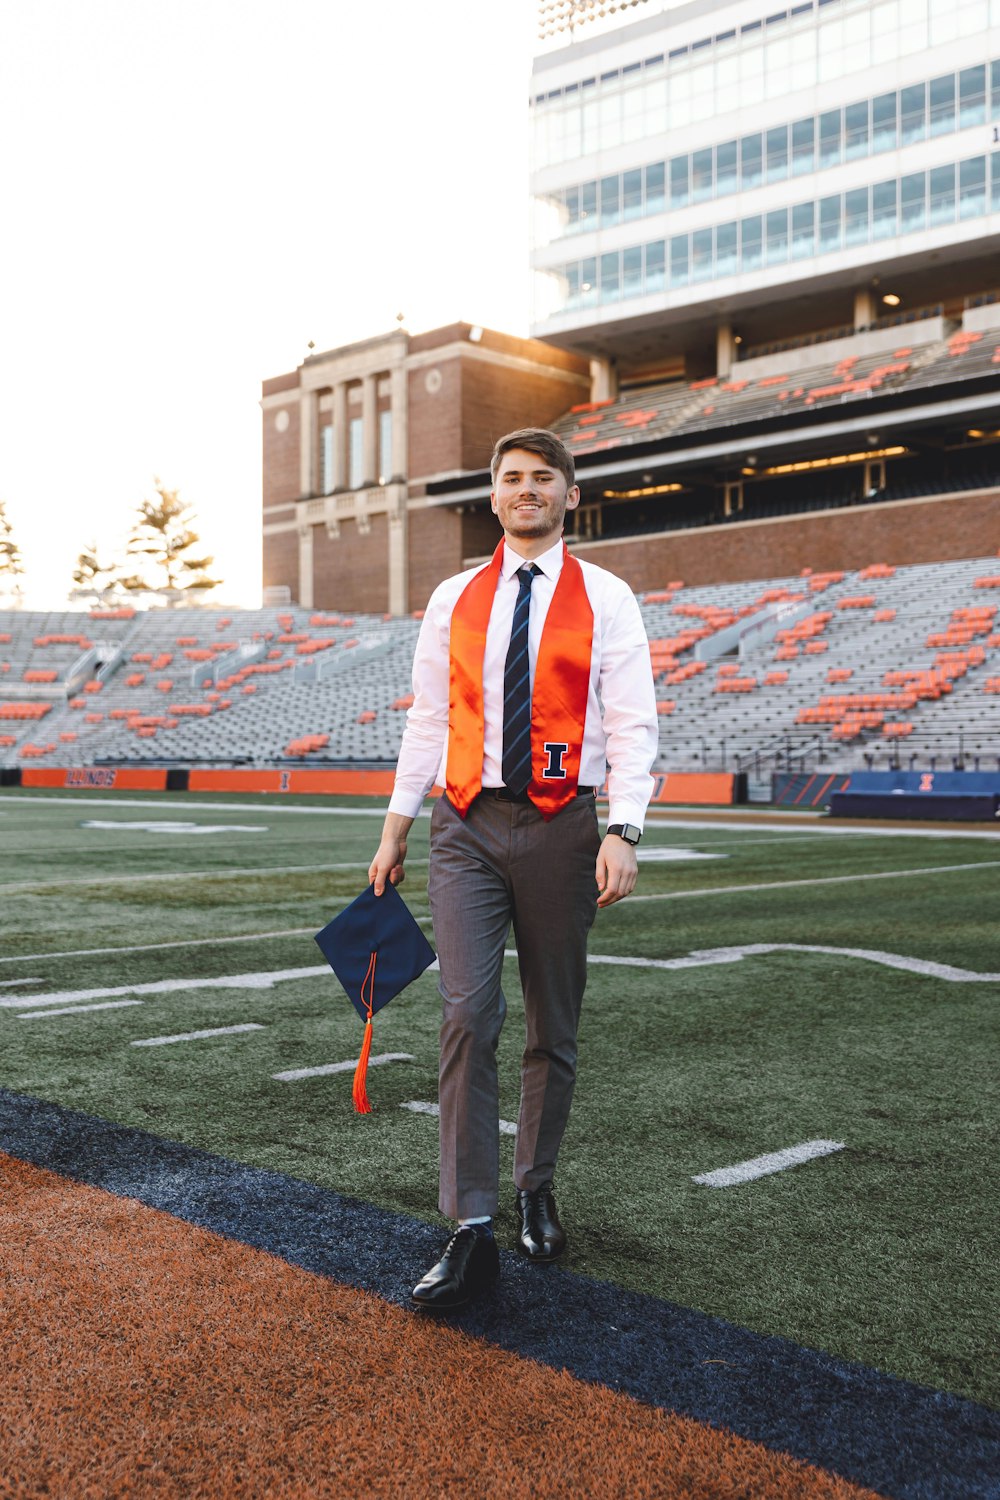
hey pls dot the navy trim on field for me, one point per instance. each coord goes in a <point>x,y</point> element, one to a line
<point>906,1440</point>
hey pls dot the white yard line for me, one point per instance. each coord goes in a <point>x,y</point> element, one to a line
<point>5,983</point>
<point>656,816</point>
<point>222,874</point>
<point>784,885</point>
<point>251,937</point>
<point>421,1107</point>
<point>700,958</point>
<point>244,937</point>
<point>256,981</point>
<point>74,1010</point>
<point>167,802</point>
<point>294,1074</point>
<point>763,1166</point>
<point>198,1036</point>
<point>706,957</point>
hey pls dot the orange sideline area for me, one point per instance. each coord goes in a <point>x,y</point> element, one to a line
<point>674,787</point>
<point>148,1356</point>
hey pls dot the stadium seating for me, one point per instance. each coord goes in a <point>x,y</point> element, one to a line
<point>859,669</point>
<point>679,407</point>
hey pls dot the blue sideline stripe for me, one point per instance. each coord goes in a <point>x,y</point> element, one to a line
<point>906,1440</point>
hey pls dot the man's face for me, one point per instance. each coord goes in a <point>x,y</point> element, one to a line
<point>530,497</point>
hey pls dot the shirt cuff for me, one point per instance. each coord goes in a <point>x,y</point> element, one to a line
<point>405,802</point>
<point>626,812</point>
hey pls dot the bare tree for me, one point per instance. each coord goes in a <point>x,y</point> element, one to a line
<point>99,580</point>
<point>11,563</point>
<point>163,537</point>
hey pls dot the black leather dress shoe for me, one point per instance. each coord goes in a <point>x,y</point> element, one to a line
<point>540,1235</point>
<point>470,1263</point>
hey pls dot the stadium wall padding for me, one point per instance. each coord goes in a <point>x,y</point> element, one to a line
<point>803,789</point>
<point>674,787</point>
<point>941,807</point>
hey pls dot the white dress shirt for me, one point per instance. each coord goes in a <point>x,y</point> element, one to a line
<point>619,743</point>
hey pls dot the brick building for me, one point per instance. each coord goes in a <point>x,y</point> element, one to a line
<point>357,439</point>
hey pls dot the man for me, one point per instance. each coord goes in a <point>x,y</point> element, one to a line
<point>532,681</point>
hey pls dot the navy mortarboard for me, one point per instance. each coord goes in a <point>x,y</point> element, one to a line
<point>376,949</point>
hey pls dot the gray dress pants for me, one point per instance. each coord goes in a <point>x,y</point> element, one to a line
<point>501,865</point>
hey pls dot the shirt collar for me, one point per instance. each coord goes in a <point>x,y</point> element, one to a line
<point>550,562</point>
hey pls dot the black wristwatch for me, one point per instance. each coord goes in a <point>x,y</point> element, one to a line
<point>626,831</point>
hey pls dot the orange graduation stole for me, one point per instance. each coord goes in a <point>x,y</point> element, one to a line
<point>559,699</point>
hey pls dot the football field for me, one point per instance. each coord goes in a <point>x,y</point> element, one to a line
<point>778,1179</point>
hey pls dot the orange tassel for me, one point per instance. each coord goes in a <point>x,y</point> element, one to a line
<point>360,1092</point>
<point>361,1103</point>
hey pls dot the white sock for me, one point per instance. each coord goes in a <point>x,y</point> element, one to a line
<point>467,1223</point>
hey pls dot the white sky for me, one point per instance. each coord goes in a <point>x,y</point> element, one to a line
<point>191,190</point>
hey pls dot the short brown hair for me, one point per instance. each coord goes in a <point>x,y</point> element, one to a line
<point>536,440</point>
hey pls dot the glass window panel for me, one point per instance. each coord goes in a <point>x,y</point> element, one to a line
<point>856,130</point>
<point>632,193</point>
<point>751,149</point>
<point>995,175</point>
<point>701,255</point>
<point>632,271</point>
<point>654,188</point>
<point>884,123</point>
<point>856,216</point>
<point>972,97</point>
<point>356,454</point>
<point>942,187</point>
<point>679,260</point>
<point>972,187</point>
<point>942,111</point>
<point>610,200</point>
<point>726,168</point>
<point>913,113</point>
<point>588,205</point>
<point>829,138</point>
<point>701,175</point>
<point>803,145</point>
<point>777,154</point>
<point>572,274</point>
<point>750,243</point>
<point>995,90</point>
<point>611,276</point>
<point>384,446</point>
<point>655,254</point>
<point>726,263</point>
<point>913,202</point>
<point>803,229</point>
<point>777,236</point>
<point>883,210</point>
<point>680,186</point>
<point>830,229</point>
<point>588,281</point>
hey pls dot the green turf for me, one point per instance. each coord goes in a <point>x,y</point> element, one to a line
<point>880,1253</point>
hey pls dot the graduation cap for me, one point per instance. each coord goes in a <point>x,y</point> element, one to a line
<point>376,949</point>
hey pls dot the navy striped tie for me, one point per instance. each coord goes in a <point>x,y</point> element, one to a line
<point>516,763</point>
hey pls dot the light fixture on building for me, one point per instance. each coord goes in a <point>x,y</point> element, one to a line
<point>872,440</point>
<point>475,334</point>
<point>891,299</point>
<point>830,463</point>
<point>737,338</point>
<point>653,489</point>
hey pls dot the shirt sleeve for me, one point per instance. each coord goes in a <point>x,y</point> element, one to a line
<point>628,698</point>
<point>426,734</point>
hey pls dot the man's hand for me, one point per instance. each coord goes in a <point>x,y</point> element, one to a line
<point>617,870</point>
<point>388,861</point>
